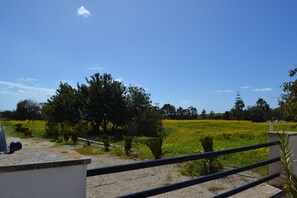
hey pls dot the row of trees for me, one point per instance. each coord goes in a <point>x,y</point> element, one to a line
<point>31,110</point>
<point>170,112</point>
<point>104,101</point>
<point>260,112</point>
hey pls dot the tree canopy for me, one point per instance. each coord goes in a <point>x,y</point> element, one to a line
<point>28,110</point>
<point>289,98</point>
<point>237,110</point>
<point>104,102</point>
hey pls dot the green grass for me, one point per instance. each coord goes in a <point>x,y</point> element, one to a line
<point>90,150</point>
<point>182,138</point>
<point>37,127</point>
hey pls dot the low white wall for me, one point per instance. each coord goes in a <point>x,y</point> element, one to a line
<point>60,182</point>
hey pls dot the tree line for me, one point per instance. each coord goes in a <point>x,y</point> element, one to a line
<point>103,101</point>
<point>260,112</point>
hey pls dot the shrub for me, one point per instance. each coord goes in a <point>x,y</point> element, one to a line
<point>90,150</point>
<point>128,144</point>
<point>204,166</point>
<point>106,142</point>
<point>51,131</point>
<point>28,133</point>
<point>66,136</point>
<point>155,145</point>
<point>18,127</point>
<point>74,138</point>
<point>286,156</point>
<point>211,165</point>
<point>207,143</point>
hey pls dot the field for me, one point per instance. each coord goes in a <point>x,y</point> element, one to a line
<point>37,127</point>
<point>182,138</point>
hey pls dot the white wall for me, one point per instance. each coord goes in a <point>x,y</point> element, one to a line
<point>64,182</point>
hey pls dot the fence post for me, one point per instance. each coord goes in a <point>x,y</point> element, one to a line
<point>274,152</point>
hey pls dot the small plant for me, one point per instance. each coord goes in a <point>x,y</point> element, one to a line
<point>204,166</point>
<point>117,152</point>
<point>215,188</point>
<point>128,144</point>
<point>207,143</point>
<point>286,156</point>
<point>74,138</point>
<point>155,145</point>
<point>28,133</point>
<point>211,165</point>
<point>66,136</point>
<point>60,140</point>
<point>18,127</point>
<point>194,168</point>
<point>90,150</point>
<point>106,142</point>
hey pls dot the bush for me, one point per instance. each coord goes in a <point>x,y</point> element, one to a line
<point>204,166</point>
<point>51,131</point>
<point>90,150</point>
<point>106,142</point>
<point>155,145</point>
<point>128,144</point>
<point>18,127</point>
<point>66,136</point>
<point>194,168</point>
<point>207,143</point>
<point>28,133</point>
<point>74,138</point>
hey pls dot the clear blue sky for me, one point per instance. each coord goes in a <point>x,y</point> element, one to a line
<point>190,52</point>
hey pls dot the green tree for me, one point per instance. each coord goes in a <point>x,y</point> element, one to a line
<point>62,112</point>
<point>192,113</point>
<point>181,113</point>
<point>289,98</point>
<point>143,118</point>
<point>169,111</point>
<point>261,112</point>
<point>64,106</point>
<point>211,115</point>
<point>237,110</point>
<point>28,110</point>
<point>103,102</point>
<point>203,114</point>
<point>226,115</point>
<point>7,114</point>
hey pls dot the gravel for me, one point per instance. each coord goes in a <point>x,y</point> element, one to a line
<point>112,185</point>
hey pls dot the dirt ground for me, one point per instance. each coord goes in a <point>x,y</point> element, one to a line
<point>117,184</point>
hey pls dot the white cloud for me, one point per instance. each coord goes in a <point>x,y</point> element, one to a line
<point>23,79</point>
<point>22,87</point>
<point>95,68</point>
<point>224,91</point>
<point>263,89</point>
<point>245,87</point>
<point>82,11</point>
<point>21,91</point>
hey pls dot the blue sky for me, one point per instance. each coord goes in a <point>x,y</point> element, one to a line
<point>186,53</point>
